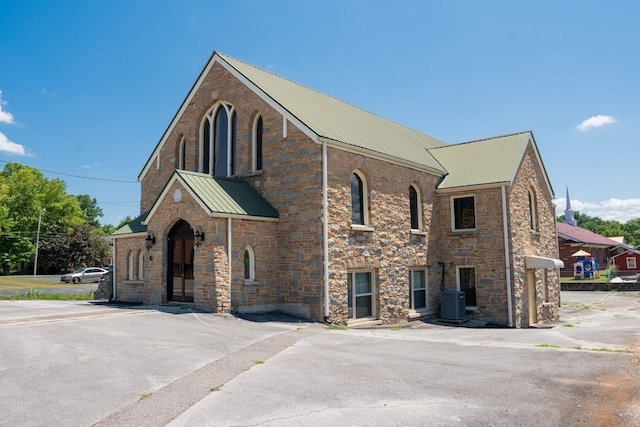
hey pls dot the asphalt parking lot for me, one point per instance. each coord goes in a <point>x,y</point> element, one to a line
<point>78,364</point>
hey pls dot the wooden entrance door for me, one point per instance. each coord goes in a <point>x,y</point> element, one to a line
<point>180,272</point>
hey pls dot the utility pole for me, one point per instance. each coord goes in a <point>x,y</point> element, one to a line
<point>35,264</point>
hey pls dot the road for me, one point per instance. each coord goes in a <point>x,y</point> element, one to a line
<point>76,364</point>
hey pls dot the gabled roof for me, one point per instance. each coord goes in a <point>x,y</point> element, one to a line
<point>635,251</point>
<point>581,235</point>
<point>321,117</point>
<point>135,226</point>
<point>222,197</point>
<point>487,161</point>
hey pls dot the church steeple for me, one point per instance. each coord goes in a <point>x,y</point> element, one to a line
<point>568,212</point>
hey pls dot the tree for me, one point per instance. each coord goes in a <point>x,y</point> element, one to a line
<point>91,209</point>
<point>609,228</point>
<point>27,197</point>
<point>78,248</point>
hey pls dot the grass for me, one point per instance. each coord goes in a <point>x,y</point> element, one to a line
<point>144,396</point>
<point>29,288</point>
<point>602,279</point>
<point>337,328</point>
<point>569,325</point>
<point>216,388</point>
<point>37,294</point>
<point>259,362</point>
<point>545,345</point>
<point>577,347</point>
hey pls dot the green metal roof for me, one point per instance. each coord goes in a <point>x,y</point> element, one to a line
<point>486,161</point>
<point>134,226</point>
<point>226,196</point>
<point>331,118</point>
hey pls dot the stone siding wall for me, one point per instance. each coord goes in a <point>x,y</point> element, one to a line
<point>389,250</point>
<point>524,241</point>
<point>127,289</point>
<point>291,181</point>
<point>482,248</point>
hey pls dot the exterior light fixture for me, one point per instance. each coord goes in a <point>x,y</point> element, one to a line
<point>198,236</point>
<point>150,240</point>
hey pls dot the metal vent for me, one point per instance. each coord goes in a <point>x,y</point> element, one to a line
<point>453,306</point>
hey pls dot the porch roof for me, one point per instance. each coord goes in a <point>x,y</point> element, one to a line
<point>533,261</point>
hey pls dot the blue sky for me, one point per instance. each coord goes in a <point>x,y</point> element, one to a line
<point>89,87</point>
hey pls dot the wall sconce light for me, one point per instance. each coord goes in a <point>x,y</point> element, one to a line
<point>150,240</point>
<point>198,236</point>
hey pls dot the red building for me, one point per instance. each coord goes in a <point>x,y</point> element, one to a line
<point>628,262</point>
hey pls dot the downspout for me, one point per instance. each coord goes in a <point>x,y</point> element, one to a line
<point>113,272</point>
<point>507,255</point>
<point>229,252</point>
<point>325,231</point>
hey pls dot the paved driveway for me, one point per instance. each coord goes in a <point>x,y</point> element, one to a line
<point>74,364</point>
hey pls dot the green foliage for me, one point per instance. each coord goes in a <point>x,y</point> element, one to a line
<point>76,249</point>
<point>91,209</point>
<point>27,200</point>
<point>609,228</point>
<point>35,294</point>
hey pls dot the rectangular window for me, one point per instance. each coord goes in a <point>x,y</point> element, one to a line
<point>466,281</point>
<point>418,293</point>
<point>464,213</point>
<point>631,262</point>
<point>360,294</point>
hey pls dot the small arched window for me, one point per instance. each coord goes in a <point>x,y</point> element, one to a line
<point>533,208</point>
<point>131,270</point>
<point>257,145</point>
<point>218,141</point>
<point>358,199</point>
<point>140,265</point>
<point>249,264</point>
<point>415,208</point>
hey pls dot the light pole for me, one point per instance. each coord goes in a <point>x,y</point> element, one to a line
<point>35,264</point>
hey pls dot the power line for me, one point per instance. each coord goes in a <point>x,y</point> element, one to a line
<point>80,176</point>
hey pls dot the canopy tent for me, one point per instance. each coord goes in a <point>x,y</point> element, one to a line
<point>581,253</point>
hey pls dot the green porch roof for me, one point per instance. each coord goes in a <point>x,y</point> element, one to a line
<point>226,196</point>
<point>135,226</point>
<point>486,161</point>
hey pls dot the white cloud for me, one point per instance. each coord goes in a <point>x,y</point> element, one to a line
<point>612,209</point>
<point>595,122</point>
<point>10,147</point>
<point>47,93</point>
<point>5,116</point>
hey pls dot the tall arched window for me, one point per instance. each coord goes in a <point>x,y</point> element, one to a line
<point>140,265</point>
<point>415,208</point>
<point>218,141</point>
<point>533,217</point>
<point>249,264</point>
<point>358,199</point>
<point>131,273</point>
<point>256,161</point>
<point>181,161</point>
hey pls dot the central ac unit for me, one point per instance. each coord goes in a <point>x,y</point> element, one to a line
<point>453,306</point>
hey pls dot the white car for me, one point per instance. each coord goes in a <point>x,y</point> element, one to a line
<point>85,275</point>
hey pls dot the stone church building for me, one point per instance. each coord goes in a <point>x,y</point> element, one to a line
<point>264,194</point>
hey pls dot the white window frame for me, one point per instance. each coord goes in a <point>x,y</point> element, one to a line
<point>412,289</point>
<point>631,262</point>
<point>211,115</point>
<point>372,282</point>
<point>364,201</point>
<point>252,267</point>
<point>254,144</point>
<point>453,213</point>
<point>140,265</point>
<point>131,267</point>
<point>458,288</point>
<point>418,207</point>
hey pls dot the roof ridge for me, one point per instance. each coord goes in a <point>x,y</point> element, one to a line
<point>225,57</point>
<point>457,144</point>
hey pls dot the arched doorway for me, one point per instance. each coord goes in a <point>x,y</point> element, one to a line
<point>180,271</point>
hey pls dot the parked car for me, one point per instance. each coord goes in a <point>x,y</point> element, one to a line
<point>85,275</point>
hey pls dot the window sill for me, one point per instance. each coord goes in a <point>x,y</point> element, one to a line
<point>536,232</point>
<point>415,314</point>
<point>418,232</point>
<point>134,282</point>
<point>464,230</point>
<point>252,283</point>
<point>471,309</point>
<point>357,227</point>
<point>254,173</point>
